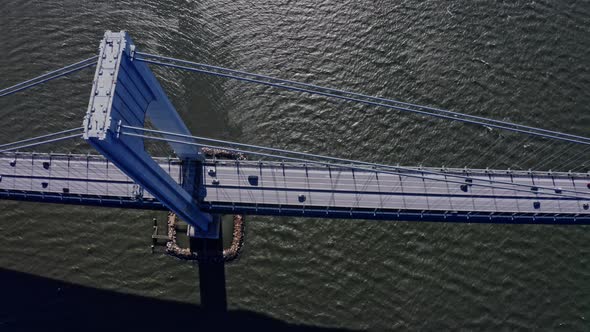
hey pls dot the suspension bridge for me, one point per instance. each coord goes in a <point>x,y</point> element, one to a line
<point>125,95</point>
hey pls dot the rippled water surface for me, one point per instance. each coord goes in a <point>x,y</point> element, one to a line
<point>523,61</point>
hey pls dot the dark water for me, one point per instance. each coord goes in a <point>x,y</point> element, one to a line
<point>523,61</point>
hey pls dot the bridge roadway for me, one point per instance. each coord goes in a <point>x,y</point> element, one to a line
<point>273,188</point>
<point>75,179</point>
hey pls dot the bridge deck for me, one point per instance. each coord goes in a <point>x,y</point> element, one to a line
<point>305,190</point>
<point>77,179</point>
<point>298,189</point>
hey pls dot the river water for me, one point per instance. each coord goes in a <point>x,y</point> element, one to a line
<point>523,61</point>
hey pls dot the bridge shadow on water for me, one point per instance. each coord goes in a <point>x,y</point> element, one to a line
<point>211,275</point>
<point>33,303</point>
<point>29,302</point>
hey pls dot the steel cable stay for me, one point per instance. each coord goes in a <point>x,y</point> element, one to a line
<point>357,97</point>
<point>371,167</point>
<point>49,76</point>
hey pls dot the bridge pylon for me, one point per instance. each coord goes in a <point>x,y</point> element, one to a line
<point>126,92</point>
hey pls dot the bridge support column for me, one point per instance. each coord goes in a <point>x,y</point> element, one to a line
<point>124,92</point>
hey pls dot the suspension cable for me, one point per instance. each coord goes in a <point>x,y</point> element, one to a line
<point>40,137</point>
<point>375,101</point>
<point>49,76</point>
<point>41,143</point>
